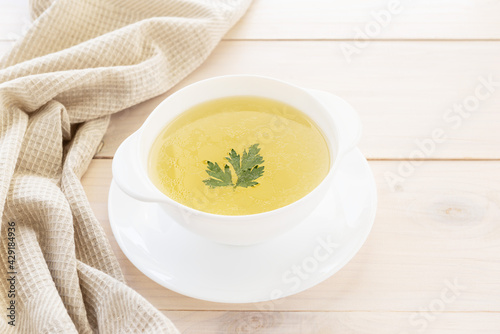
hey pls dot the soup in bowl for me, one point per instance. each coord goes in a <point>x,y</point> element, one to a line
<point>239,155</point>
<point>238,159</point>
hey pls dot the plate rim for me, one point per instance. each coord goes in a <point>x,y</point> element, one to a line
<point>173,287</point>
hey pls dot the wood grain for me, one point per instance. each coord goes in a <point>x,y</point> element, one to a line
<point>190,322</point>
<point>338,19</point>
<point>334,19</point>
<point>439,228</point>
<point>402,91</point>
<point>436,228</point>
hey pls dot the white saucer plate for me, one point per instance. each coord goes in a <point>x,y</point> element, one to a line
<point>293,262</point>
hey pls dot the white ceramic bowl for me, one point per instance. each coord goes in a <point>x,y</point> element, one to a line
<point>338,121</point>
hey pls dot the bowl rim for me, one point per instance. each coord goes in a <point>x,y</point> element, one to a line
<point>261,215</point>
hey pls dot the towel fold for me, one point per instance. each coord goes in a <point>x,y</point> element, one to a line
<point>81,61</point>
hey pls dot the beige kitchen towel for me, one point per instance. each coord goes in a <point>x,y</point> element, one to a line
<point>81,61</point>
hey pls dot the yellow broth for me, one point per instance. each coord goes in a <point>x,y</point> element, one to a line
<point>296,155</point>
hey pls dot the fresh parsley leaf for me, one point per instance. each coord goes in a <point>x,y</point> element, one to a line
<point>234,160</point>
<point>246,167</point>
<point>218,178</point>
<point>252,158</point>
<point>249,169</point>
<point>247,177</point>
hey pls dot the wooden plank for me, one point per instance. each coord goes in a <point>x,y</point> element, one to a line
<point>439,229</point>
<point>333,322</point>
<point>402,91</point>
<point>338,19</point>
<point>335,19</point>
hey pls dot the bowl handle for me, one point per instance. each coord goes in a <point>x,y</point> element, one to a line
<point>128,174</point>
<point>346,118</point>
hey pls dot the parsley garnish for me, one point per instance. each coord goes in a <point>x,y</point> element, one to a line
<point>246,167</point>
<point>218,178</point>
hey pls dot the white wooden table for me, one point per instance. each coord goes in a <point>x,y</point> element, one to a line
<point>432,261</point>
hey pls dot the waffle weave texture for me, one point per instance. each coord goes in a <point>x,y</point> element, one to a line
<point>80,62</point>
